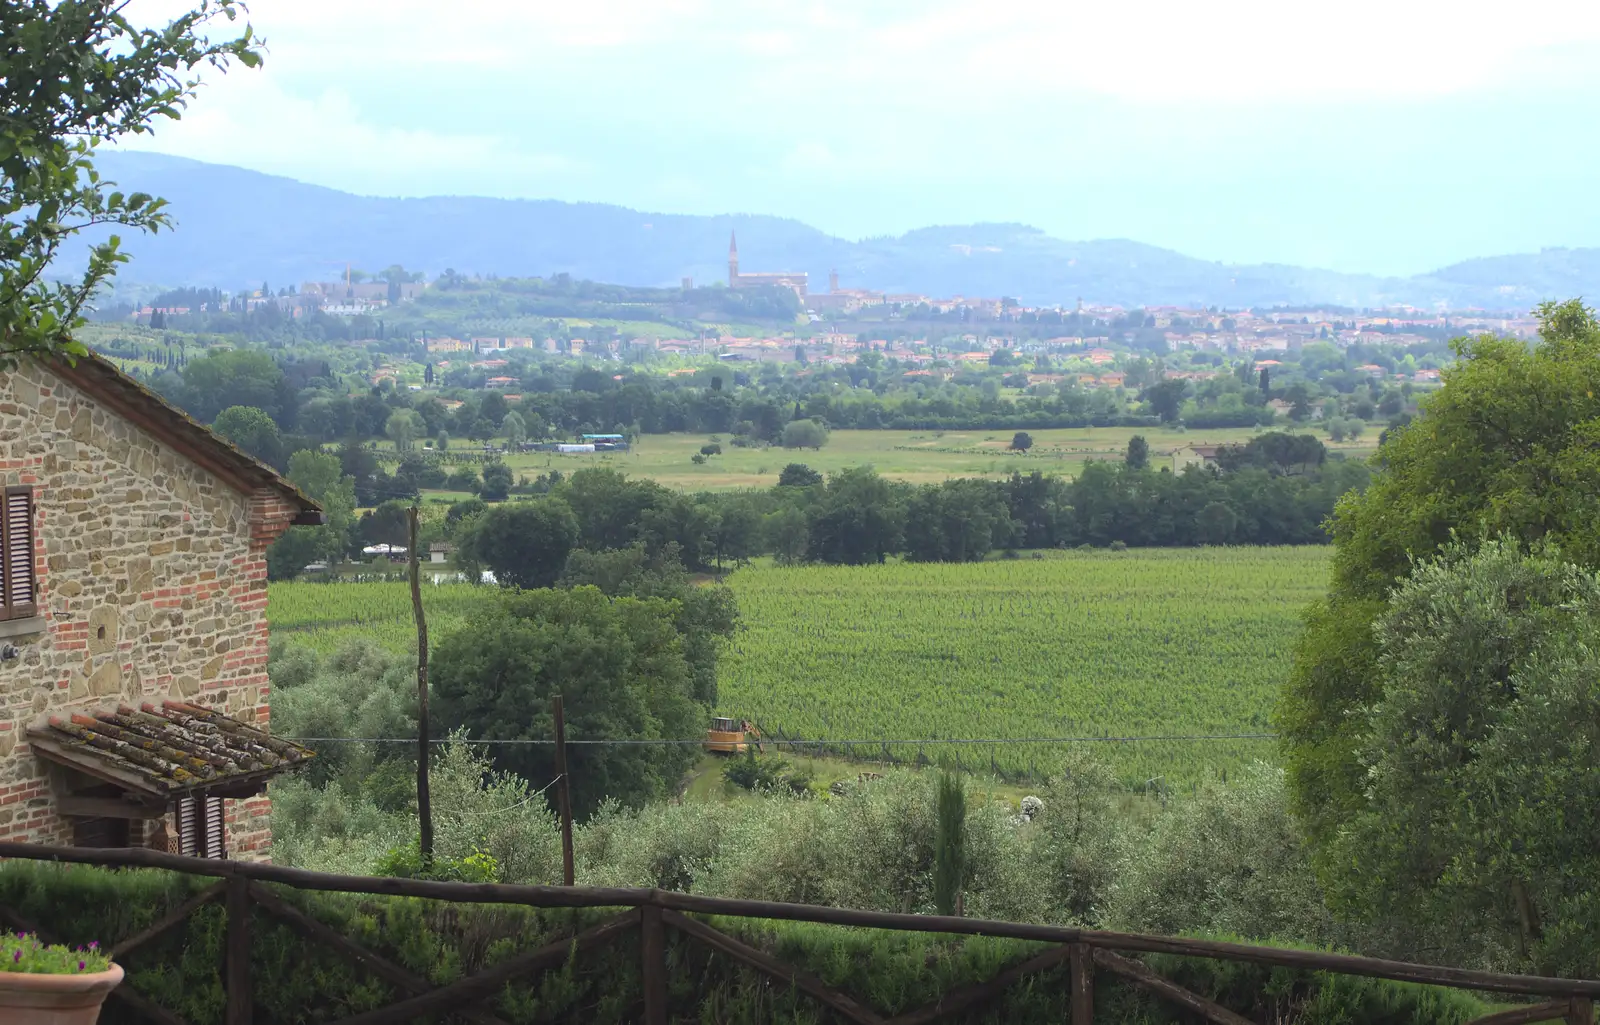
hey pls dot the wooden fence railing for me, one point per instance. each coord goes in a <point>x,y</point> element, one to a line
<point>1087,952</point>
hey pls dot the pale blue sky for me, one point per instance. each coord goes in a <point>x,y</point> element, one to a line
<point>1389,136</point>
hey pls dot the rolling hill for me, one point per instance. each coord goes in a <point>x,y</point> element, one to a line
<point>237,227</point>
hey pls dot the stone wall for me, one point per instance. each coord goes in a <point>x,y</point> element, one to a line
<point>152,576</point>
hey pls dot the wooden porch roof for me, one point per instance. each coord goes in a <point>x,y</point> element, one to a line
<point>172,750</point>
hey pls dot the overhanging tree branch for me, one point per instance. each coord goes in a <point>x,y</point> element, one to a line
<point>74,74</point>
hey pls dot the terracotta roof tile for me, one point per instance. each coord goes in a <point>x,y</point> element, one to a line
<point>169,749</point>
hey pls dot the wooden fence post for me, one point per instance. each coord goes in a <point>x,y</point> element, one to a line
<point>237,979</point>
<point>563,791</point>
<point>1580,1011</point>
<point>653,949</point>
<point>1082,984</point>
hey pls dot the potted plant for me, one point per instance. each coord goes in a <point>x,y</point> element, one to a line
<point>50,984</point>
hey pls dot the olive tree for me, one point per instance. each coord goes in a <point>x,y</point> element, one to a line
<point>1479,812</point>
<point>1509,446</point>
<point>620,665</point>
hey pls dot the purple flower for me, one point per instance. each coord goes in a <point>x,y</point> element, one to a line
<point>16,955</point>
<point>94,944</point>
<point>80,966</point>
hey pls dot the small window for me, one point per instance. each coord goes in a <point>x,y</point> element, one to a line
<point>17,599</point>
<point>201,828</point>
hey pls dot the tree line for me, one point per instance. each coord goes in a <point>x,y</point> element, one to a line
<point>553,398</point>
<point>1275,490</point>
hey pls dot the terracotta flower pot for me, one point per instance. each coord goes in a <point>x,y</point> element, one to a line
<point>29,999</point>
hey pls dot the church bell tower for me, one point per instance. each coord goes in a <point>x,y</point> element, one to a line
<point>733,260</point>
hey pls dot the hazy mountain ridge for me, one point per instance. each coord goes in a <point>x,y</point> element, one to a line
<point>237,227</point>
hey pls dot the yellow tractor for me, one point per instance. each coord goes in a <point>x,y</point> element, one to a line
<point>732,736</point>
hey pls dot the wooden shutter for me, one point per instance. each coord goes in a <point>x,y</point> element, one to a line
<point>216,845</point>
<point>202,828</point>
<point>16,554</point>
<point>188,827</point>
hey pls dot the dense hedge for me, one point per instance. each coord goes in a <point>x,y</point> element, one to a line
<point>298,981</point>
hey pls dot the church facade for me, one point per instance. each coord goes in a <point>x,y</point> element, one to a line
<point>795,280</point>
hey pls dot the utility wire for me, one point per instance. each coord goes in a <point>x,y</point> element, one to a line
<point>530,798</point>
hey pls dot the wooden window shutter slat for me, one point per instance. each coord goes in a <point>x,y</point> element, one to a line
<point>16,555</point>
<point>188,827</point>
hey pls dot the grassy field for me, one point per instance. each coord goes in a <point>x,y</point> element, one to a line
<point>1142,643</point>
<point>918,456</point>
<point>1147,643</point>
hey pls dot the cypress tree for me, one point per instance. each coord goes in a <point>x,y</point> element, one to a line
<point>949,845</point>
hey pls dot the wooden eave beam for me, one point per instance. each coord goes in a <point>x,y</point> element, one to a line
<point>99,768</point>
<point>74,806</point>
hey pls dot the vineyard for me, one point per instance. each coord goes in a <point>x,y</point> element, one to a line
<point>325,616</point>
<point>1149,643</point>
<point>1143,643</point>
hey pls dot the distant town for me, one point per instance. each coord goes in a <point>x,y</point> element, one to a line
<point>839,323</point>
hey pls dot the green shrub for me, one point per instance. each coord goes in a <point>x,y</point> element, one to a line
<point>405,862</point>
<point>774,774</point>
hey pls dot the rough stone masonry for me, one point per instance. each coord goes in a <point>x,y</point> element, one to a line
<point>150,570</point>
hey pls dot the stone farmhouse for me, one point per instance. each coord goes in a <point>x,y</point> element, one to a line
<point>133,633</point>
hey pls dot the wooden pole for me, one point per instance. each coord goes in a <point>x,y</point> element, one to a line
<point>789,977</point>
<point>174,918</point>
<point>952,1002</point>
<point>237,965</point>
<point>1580,1011</point>
<point>353,952</point>
<point>1082,984</point>
<point>1136,971</point>
<point>424,798</point>
<point>563,793</point>
<point>473,988</point>
<point>653,950</point>
<point>1554,1011</point>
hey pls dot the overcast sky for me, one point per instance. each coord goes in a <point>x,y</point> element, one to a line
<point>1391,136</point>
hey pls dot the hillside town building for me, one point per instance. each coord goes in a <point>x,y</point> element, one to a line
<point>796,280</point>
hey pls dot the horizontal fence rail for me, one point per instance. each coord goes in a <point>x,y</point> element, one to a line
<point>648,911</point>
<point>794,742</point>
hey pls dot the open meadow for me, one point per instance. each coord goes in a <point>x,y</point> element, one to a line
<point>917,456</point>
<point>1159,643</point>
